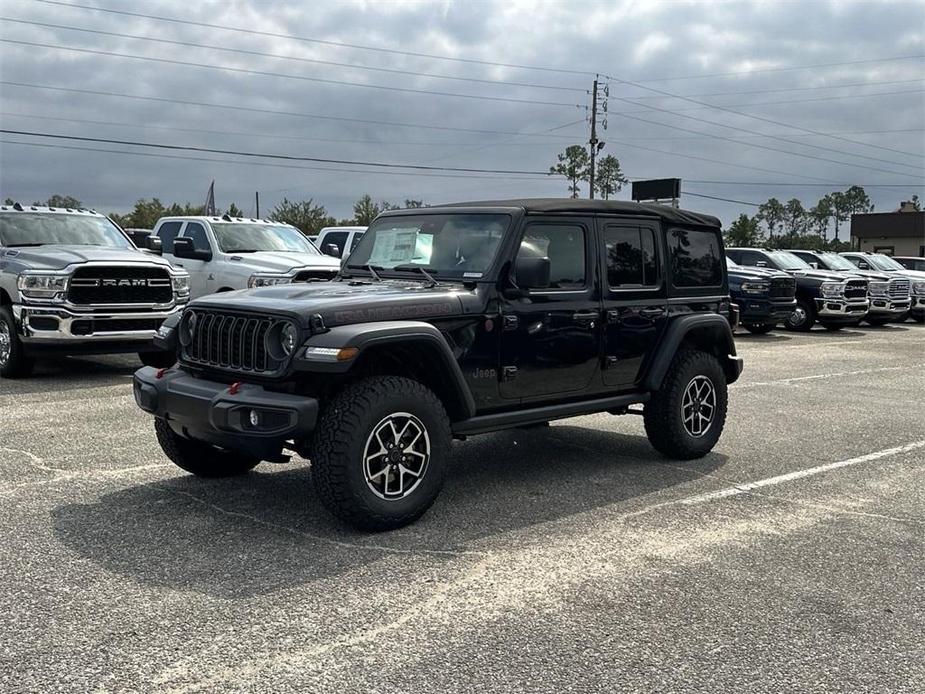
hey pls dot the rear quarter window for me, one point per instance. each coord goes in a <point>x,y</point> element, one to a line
<point>696,257</point>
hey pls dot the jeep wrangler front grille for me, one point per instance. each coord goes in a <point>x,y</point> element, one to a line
<point>114,284</point>
<point>856,289</point>
<point>228,341</point>
<point>783,287</point>
<point>900,288</point>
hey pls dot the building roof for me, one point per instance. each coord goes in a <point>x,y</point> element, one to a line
<point>878,225</point>
<point>663,212</point>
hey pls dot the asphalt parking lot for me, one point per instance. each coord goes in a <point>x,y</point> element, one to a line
<point>571,558</point>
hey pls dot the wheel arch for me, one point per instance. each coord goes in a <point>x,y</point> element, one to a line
<point>708,333</point>
<point>5,299</point>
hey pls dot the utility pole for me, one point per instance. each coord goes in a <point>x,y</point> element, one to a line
<point>257,202</point>
<point>593,140</point>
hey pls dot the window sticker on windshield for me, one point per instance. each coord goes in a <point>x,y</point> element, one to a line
<point>472,275</point>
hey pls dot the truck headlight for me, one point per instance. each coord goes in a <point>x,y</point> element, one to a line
<point>42,285</point>
<point>832,289</point>
<point>267,279</point>
<point>756,287</point>
<point>878,288</point>
<point>181,285</point>
<point>919,288</point>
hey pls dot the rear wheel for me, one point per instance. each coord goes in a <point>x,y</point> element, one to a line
<point>198,457</point>
<point>380,452</point>
<point>761,328</point>
<point>13,361</point>
<point>802,317</point>
<point>685,417</point>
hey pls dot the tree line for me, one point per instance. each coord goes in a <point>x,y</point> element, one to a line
<point>305,215</point>
<point>575,165</point>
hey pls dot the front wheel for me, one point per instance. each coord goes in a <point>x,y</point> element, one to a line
<point>877,321</point>
<point>918,317</point>
<point>198,457</point>
<point>685,417</point>
<point>802,317</point>
<point>380,452</point>
<point>761,328</point>
<point>13,361</point>
<point>159,360</point>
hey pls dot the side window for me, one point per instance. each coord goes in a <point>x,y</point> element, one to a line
<point>696,258</point>
<point>167,233</point>
<point>197,232</point>
<point>752,258</point>
<point>564,245</point>
<point>338,238</point>
<point>630,257</point>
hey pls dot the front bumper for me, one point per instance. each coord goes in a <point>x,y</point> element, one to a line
<point>211,412</point>
<point>841,310</point>
<point>762,311</point>
<point>53,326</point>
<point>884,306</point>
<point>918,305</point>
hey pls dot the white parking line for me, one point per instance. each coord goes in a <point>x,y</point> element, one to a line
<point>799,474</point>
<point>798,379</point>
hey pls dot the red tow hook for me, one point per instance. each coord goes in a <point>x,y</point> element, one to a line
<point>160,373</point>
<point>234,388</point>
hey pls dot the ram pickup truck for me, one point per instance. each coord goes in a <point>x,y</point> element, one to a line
<point>889,296</point>
<point>448,322</point>
<point>832,299</point>
<point>764,297</point>
<point>71,282</point>
<point>226,253</point>
<point>338,241</point>
<point>885,264</point>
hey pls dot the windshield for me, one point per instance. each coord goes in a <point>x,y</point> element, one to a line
<point>250,238</point>
<point>452,246</point>
<point>884,262</point>
<point>836,262</point>
<point>788,261</point>
<point>24,229</point>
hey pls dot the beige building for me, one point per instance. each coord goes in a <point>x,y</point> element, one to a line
<point>893,233</point>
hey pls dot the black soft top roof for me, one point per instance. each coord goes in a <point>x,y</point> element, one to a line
<point>663,212</point>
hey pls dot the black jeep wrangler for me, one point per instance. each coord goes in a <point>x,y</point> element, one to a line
<point>447,322</point>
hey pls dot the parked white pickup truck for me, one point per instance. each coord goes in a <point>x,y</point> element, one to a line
<point>338,241</point>
<point>225,253</point>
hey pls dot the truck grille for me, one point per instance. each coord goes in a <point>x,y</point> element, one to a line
<point>900,288</point>
<point>856,289</point>
<point>106,285</point>
<point>323,275</point>
<point>783,287</point>
<point>228,341</point>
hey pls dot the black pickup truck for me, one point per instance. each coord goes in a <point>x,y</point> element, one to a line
<point>764,297</point>
<point>447,322</point>
<point>832,299</point>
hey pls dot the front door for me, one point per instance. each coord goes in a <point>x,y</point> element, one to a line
<point>551,337</point>
<point>202,281</point>
<point>635,297</point>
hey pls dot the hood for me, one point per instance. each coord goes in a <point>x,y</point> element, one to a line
<point>755,272</point>
<point>875,275</point>
<point>344,302</point>
<point>59,257</point>
<point>914,275</point>
<point>269,261</point>
<point>821,275</point>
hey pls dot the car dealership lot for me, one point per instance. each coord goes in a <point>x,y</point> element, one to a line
<point>565,558</point>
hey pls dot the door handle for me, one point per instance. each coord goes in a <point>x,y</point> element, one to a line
<point>652,312</point>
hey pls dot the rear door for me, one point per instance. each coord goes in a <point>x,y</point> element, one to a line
<point>635,296</point>
<point>551,337</point>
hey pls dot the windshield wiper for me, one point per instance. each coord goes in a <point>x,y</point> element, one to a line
<point>418,268</point>
<point>373,270</point>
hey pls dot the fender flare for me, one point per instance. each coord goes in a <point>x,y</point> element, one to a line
<point>365,336</point>
<point>678,329</point>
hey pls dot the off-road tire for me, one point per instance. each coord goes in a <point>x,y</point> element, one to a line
<point>662,415</point>
<point>918,317</point>
<point>198,457</point>
<point>16,364</point>
<point>340,444</point>
<point>877,321</point>
<point>807,323</point>
<point>158,360</point>
<point>761,328</point>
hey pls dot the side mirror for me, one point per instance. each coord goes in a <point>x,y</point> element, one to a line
<point>154,245</point>
<point>814,265</point>
<point>332,249</point>
<point>531,272</point>
<point>184,247</point>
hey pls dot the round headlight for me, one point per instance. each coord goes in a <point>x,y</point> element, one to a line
<point>188,328</point>
<point>289,338</point>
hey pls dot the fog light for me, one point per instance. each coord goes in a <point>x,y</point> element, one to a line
<point>255,419</point>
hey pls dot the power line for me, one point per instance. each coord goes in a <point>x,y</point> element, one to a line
<point>790,89</point>
<point>284,157</point>
<point>252,109</point>
<point>799,185</point>
<point>314,61</point>
<point>304,78</point>
<point>306,39</point>
<point>713,197</point>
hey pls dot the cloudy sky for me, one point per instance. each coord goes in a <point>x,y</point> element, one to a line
<point>785,99</point>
